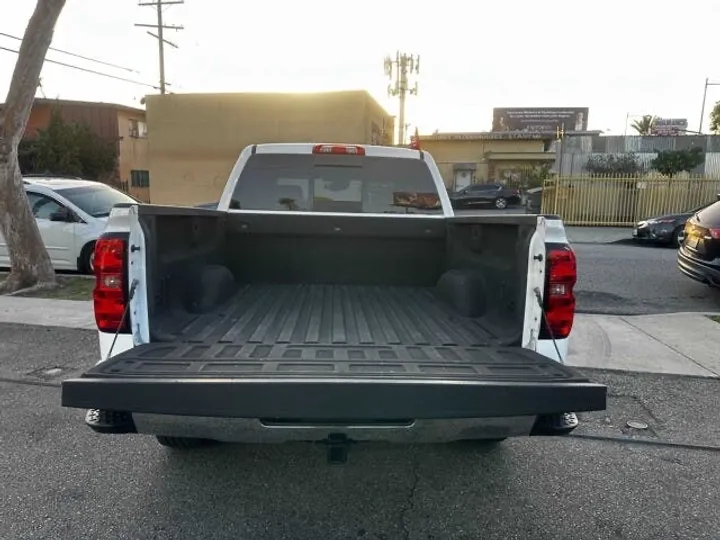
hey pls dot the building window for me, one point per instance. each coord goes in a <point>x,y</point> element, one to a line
<point>138,129</point>
<point>140,179</point>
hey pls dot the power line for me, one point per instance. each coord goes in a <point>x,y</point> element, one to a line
<point>159,28</point>
<point>400,69</point>
<point>89,59</point>
<point>86,70</point>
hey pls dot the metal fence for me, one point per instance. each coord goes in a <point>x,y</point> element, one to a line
<point>621,202</point>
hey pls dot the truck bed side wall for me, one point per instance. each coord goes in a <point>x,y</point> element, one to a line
<point>180,242</point>
<point>490,260</point>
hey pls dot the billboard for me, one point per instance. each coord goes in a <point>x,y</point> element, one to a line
<point>546,119</point>
<point>669,127</point>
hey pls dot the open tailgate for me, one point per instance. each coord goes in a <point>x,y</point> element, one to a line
<point>332,382</point>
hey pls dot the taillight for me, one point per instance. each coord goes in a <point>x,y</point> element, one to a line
<point>110,295</point>
<point>559,302</point>
<point>342,149</point>
<point>715,234</point>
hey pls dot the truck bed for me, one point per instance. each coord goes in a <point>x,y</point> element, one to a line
<point>334,315</point>
<point>329,352</point>
<point>325,318</point>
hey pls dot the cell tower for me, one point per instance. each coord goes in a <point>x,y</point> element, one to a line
<point>399,72</point>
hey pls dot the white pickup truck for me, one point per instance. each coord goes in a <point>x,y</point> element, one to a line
<point>332,296</point>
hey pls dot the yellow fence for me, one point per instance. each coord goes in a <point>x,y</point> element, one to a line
<point>621,202</point>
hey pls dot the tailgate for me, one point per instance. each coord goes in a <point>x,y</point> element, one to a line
<point>332,383</point>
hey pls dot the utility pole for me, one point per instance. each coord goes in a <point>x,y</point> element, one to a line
<point>398,71</point>
<point>160,28</point>
<point>702,110</point>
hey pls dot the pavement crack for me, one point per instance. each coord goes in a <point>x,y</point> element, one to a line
<point>647,442</point>
<point>410,502</point>
<point>671,348</point>
<point>26,382</point>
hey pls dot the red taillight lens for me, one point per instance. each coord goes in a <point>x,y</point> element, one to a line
<point>341,149</point>
<point>715,233</point>
<point>109,295</point>
<point>559,297</point>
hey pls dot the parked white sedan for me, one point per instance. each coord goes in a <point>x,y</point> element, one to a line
<point>71,214</point>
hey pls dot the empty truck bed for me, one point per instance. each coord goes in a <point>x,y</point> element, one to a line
<point>333,330</point>
<point>335,315</point>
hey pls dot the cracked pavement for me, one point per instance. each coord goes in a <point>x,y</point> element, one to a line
<point>60,480</point>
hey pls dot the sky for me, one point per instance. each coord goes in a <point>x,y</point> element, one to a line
<point>617,57</point>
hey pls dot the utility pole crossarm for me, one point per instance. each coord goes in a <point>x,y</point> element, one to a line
<point>159,29</point>
<point>165,26</point>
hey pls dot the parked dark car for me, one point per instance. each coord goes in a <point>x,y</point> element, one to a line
<point>473,195</point>
<point>665,230</point>
<point>699,255</point>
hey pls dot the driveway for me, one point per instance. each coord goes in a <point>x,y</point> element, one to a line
<point>60,480</point>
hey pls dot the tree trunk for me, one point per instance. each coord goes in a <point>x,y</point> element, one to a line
<point>29,260</point>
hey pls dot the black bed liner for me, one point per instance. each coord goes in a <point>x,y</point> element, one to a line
<point>334,315</point>
<point>319,352</point>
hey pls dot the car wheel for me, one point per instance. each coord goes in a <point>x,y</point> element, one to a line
<point>183,443</point>
<point>86,261</point>
<point>501,203</point>
<point>678,237</point>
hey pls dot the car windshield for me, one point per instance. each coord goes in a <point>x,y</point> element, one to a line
<point>336,183</point>
<point>96,200</point>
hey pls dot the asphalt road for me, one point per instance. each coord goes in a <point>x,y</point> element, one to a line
<point>635,279</point>
<point>59,480</point>
<point>627,279</point>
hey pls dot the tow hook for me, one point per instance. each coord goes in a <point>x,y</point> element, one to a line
<point>337,448</point>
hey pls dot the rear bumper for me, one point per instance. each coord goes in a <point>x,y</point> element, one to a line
<point>698,270</point>
<point>327,400</point>
<point>252,431</point>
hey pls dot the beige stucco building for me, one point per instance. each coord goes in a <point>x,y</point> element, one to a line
<point>194,139</point>
<point>465,158</point>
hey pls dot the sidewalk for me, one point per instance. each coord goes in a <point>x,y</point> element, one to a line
<point>43,312</point>
<point>677,343</point>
